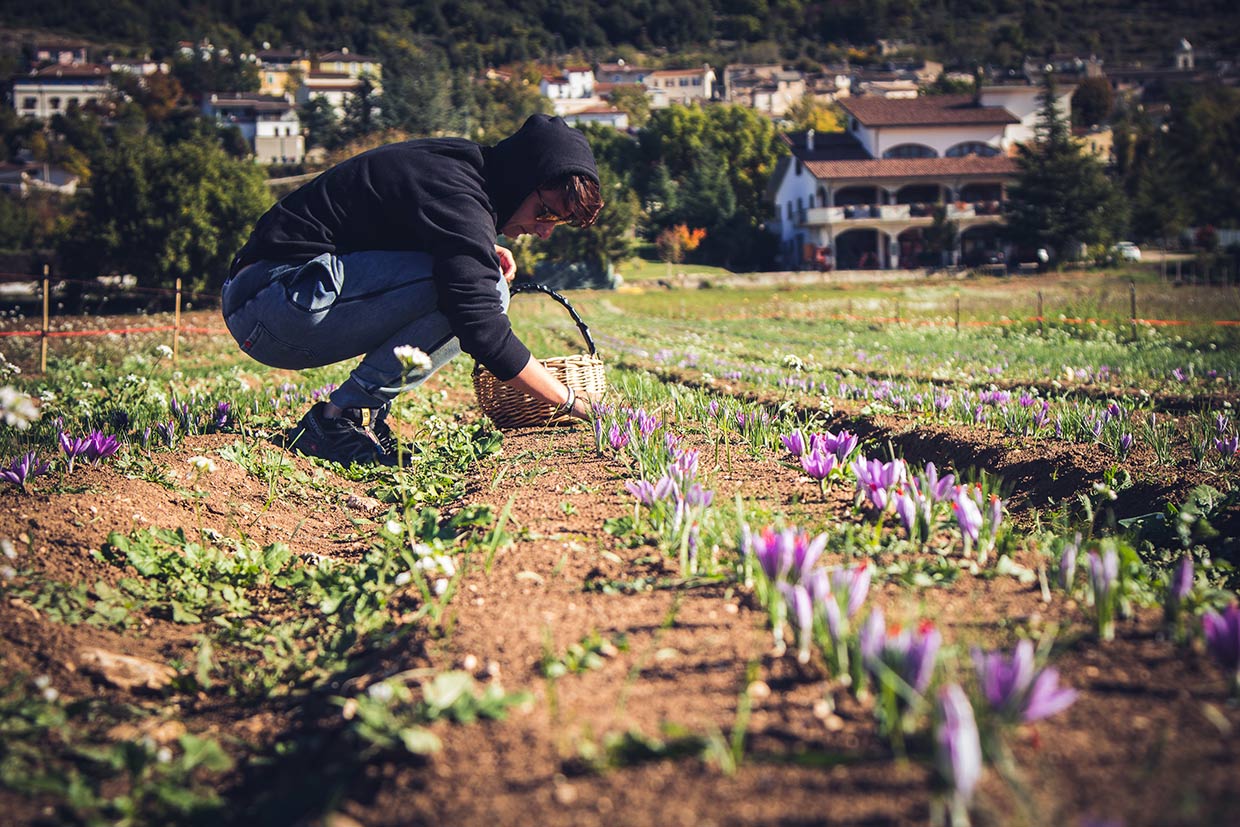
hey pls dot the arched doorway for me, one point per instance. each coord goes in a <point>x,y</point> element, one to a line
<point>861,250</point>
<point>915,250</point>
<point>981,245</point>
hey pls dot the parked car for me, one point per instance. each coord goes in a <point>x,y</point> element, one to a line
<point>1126,251</point>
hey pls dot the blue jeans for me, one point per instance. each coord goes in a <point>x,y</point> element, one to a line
<point>299,315</point>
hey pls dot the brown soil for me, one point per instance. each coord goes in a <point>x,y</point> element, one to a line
<point>1151,739</point>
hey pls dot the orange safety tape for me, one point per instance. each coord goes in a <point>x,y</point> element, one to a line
<point>59,334</point>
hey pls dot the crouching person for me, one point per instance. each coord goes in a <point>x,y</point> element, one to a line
<point>396,248</point>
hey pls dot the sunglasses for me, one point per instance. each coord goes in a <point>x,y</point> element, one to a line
<point>546,215</point>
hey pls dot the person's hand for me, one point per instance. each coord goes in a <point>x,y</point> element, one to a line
<point>583,406</point>
<point>507,263</point>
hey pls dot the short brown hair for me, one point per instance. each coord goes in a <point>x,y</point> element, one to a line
<point>581,196</point>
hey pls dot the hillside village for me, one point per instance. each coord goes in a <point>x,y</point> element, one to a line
<point>909,144</point>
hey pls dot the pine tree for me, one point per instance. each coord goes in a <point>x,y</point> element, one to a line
<point>1063,197</point>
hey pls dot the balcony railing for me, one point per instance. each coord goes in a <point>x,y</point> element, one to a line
<point>896,212</point>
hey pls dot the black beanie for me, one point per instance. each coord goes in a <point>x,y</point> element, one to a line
<point>543,148</point>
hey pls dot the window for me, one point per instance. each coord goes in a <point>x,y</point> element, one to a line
<point>73,102</point>
<point>684,81</point>
<point>910,151</point>
<point>30,103</point>
<point>697,81</point>
<point>799,165</point>
<point>53,103</point>
<point>972,148</point>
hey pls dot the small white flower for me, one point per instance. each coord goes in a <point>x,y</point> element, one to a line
<point>7,572</point>
<point>412,359</point>
<point>205,465</point>
<point>403,578</point>
<point>44,684</point>
<point>381,692</point>
<point>17,408</point>
<point>393,527</point>
<point>163,755</point>
<point>441,586</point>
<point>163,351</point>
<point>7,549</point>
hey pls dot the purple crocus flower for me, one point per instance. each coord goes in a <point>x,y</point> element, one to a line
<point>909,654</point>
<point>73,447</point>
<point>643,490</point>
<point>801,613</point>
<point>1223,639</point>
<point>842,444</point>
<point>958,748</point>
<point>1221,423</point>
<point>647,424</point>
<point>23,469</point>
<point>1103,578</point>
<point>221,414</point>
<point>1042,416</point>
<point>852,586</point>
<point>968,515</point>
<point>786,555</point>
<point>873,633</point>
<point>1228,447</point>
<point>618,437</point>
<point>1067,564</point>
<point>906,510</point>
<point>794,442</point>
<point>876,479</point>
<point>167,431</point>
<point>1015,689</point>
<point>934,486</point>
<point>818,465</point>
<point>696,496</point>
<point>1125,443</point>
<point>100,447</point>
<point>1179,588</point>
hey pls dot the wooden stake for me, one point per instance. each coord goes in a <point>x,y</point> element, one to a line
<point>1132,306</point>
<point>176,326</point>
<point>957,314</point>
<point>1041,320</point>
<point>47,269</point>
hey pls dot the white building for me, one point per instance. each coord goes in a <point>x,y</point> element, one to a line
<point>769,89</point>
<point>53,90</point>
<point>683,86</point>
<point>24,178</point>
<point>269,124</point>
<point>353,65</point>
<point>573,83</point>
<point>603,114</point>
<point>1022,101</point>
<point>863,199</point>
<point>142,67</point>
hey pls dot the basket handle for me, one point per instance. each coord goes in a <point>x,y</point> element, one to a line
<point>534,287</point>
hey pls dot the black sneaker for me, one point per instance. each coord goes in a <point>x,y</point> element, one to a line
<point>375,420</point>
<point>340,440</point>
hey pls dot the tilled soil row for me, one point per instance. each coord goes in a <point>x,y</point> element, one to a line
<point>1149,741</point>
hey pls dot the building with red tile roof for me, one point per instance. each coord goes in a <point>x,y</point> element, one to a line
<point>862,199</point>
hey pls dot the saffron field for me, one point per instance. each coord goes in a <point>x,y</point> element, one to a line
<point>824,555</point>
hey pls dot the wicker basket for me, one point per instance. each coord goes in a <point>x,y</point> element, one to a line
<point>511,408</point>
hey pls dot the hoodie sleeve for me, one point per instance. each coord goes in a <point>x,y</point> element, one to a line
<point>461,239</point>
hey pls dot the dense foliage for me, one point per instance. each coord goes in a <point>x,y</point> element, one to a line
<point>1063,196</point>
<point>475,32</point>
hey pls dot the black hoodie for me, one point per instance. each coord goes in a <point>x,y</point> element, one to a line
<point>443,196</point>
